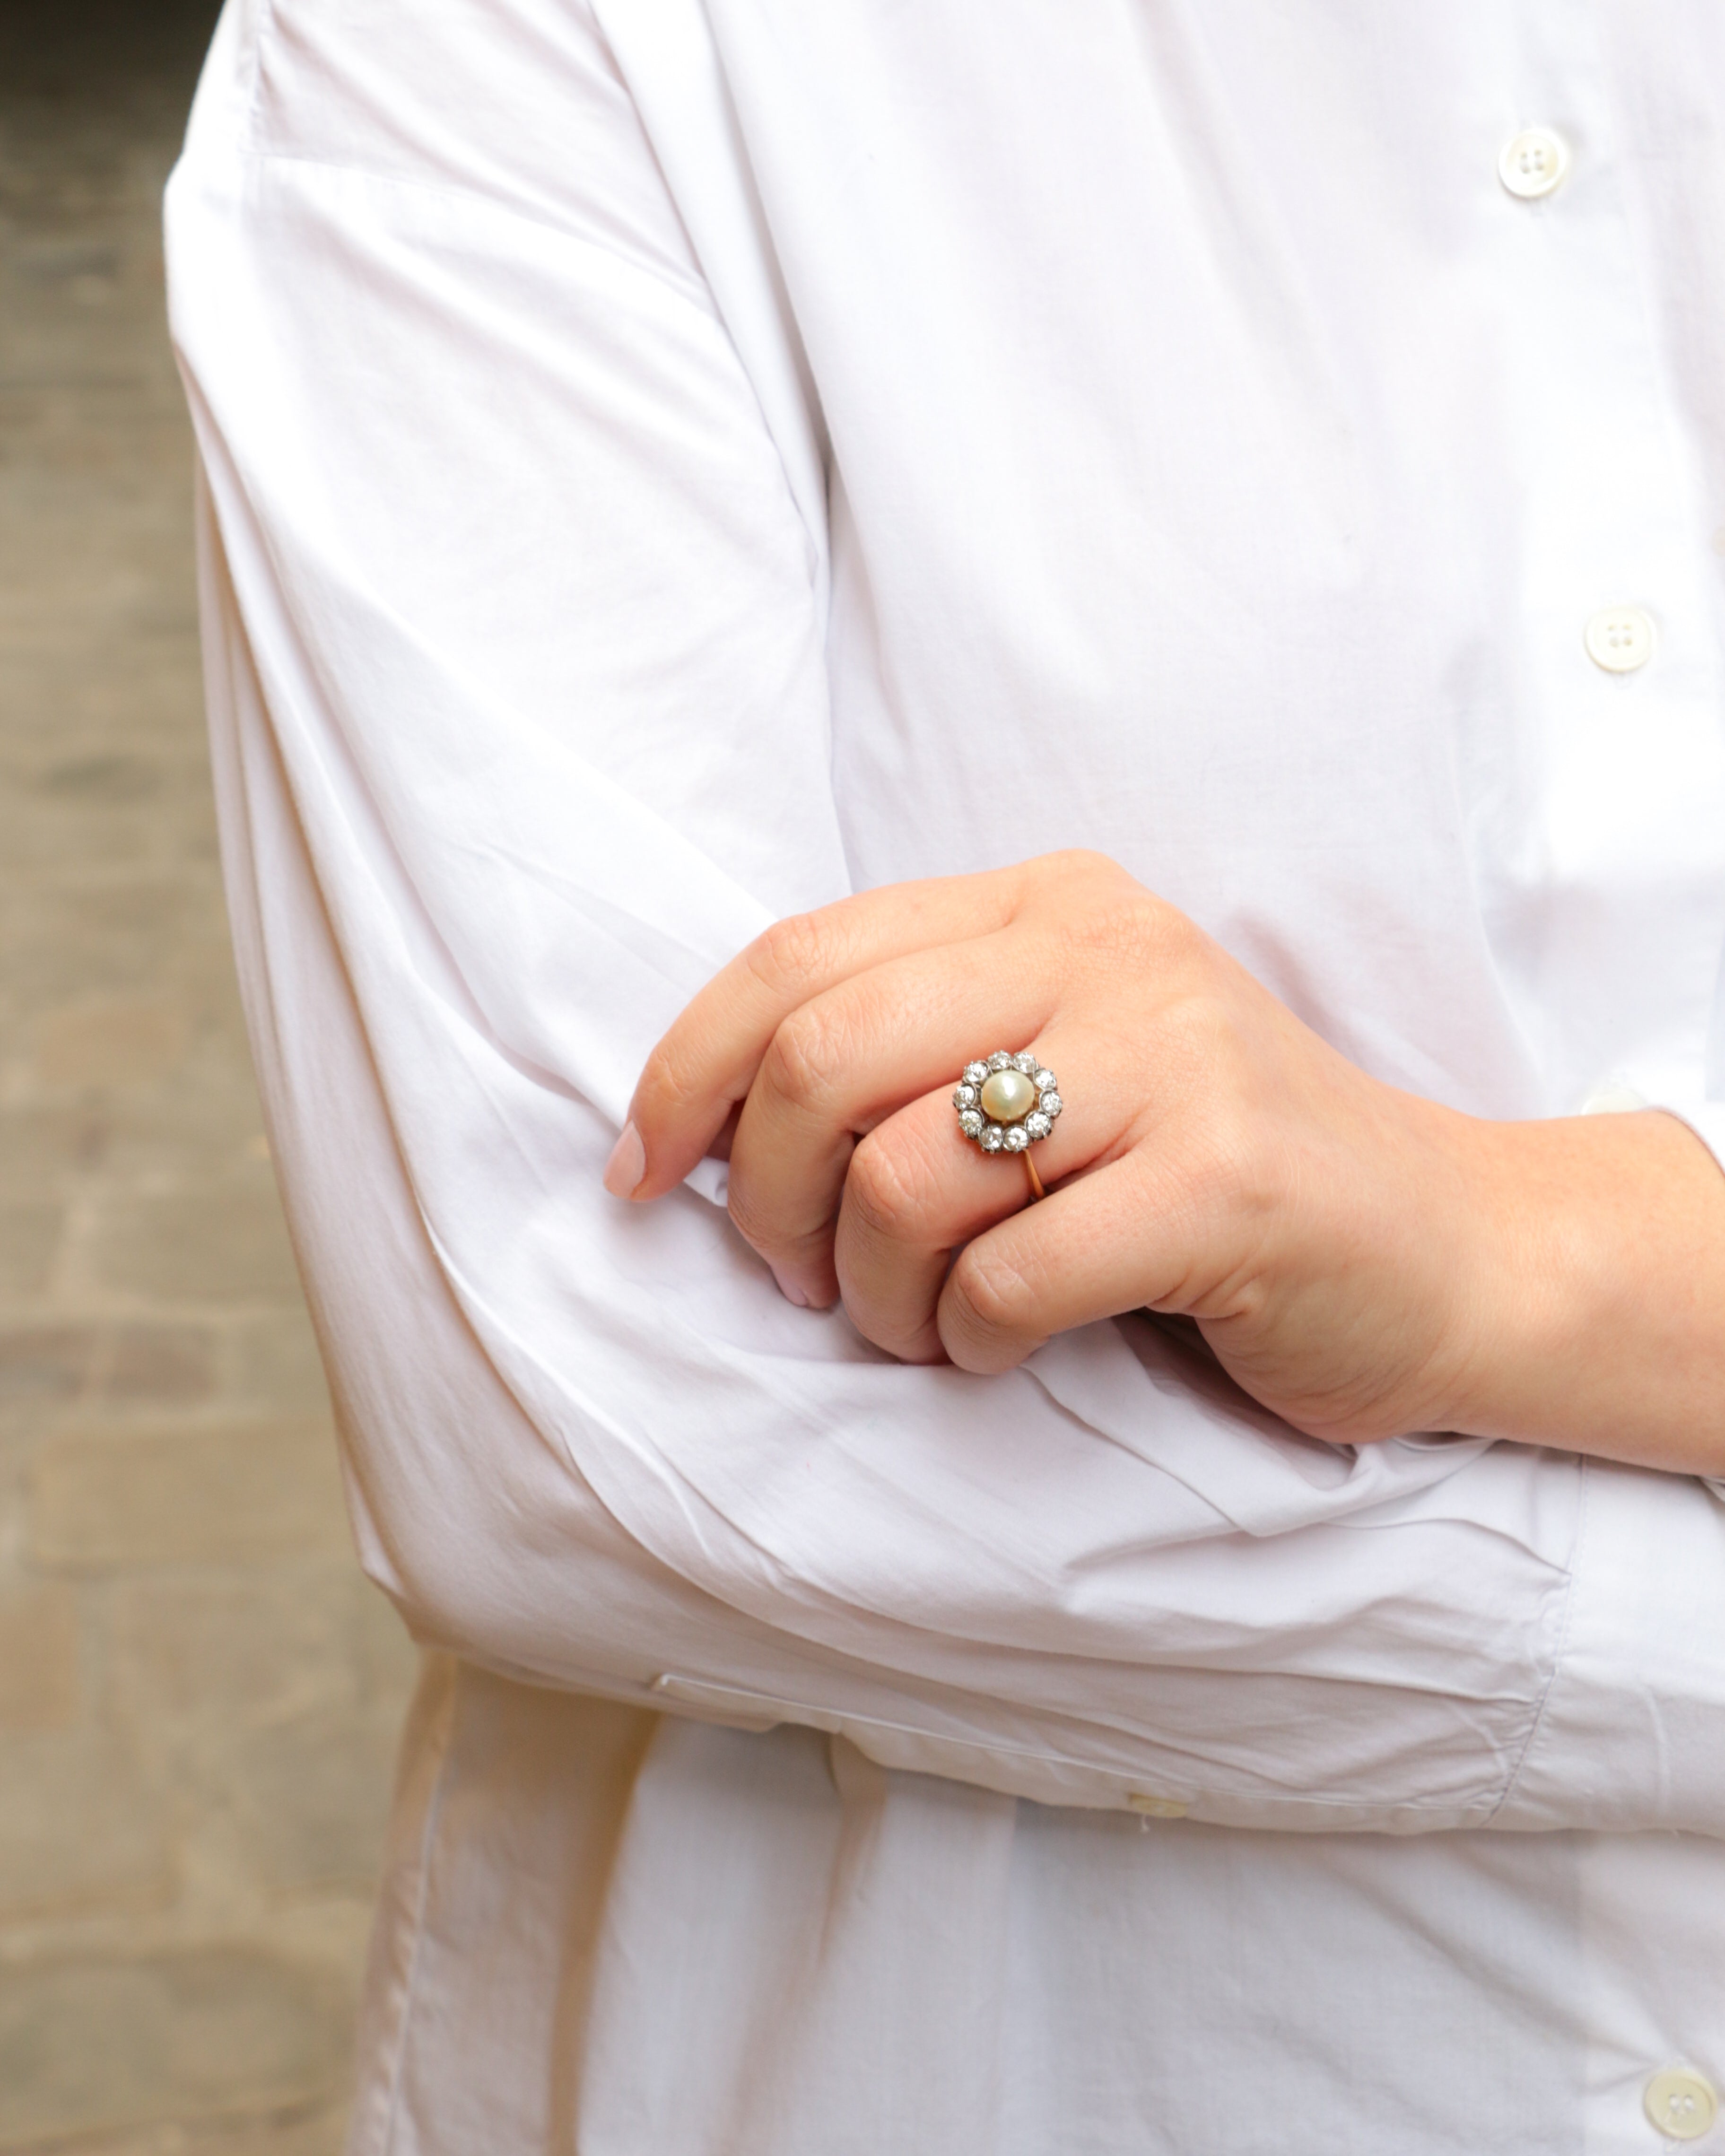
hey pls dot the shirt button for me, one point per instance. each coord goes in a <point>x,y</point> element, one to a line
<point>1619,639</point>
<point>1680,2103</point>
<point>1613,1098</point>
<point>1533,163</point>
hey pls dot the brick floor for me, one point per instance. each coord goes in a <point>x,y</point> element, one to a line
<point>198,1693</point>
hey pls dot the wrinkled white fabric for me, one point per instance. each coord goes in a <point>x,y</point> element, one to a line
<point>667,466</point>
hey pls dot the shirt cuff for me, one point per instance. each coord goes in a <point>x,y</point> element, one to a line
<point>1632,1732</point>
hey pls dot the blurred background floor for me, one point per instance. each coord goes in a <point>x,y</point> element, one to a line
<point>198,1693</point>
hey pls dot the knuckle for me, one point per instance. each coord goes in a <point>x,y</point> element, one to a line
<point>667,1088</point>
<point>1222,1163</point>
<point>1128,928</point>
<point>887,1187</point>
<point>1083,863</point>
<point>791,1225</point>
<point>990,1296</point>
<point>806,1056</point>
<point>793,954</point>
<point>1090,865</point>
<point>750,1218</point>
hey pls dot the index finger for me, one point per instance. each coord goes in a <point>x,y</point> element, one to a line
<point>708,1060</point>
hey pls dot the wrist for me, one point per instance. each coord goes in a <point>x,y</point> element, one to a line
<point>1592,1289</point>
<point>1527,1279</point>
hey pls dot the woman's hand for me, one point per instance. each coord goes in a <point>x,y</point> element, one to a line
<point>1363,1262</point>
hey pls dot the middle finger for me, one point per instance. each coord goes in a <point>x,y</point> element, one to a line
<point>918,1190</point>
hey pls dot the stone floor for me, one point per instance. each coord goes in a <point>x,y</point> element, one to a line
<point>198,1693</point>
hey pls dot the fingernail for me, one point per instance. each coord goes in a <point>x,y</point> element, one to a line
<point>627,1165</point>
<point>790,1291</point>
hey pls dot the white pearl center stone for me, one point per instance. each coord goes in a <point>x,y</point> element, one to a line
<point>1007,1094</point>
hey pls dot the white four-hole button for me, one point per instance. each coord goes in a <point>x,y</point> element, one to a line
<point>1534,162</point>
<point>1680,2103</point>
<point>1619,639</point>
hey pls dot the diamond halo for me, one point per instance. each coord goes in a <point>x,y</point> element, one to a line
<point>1008,1117</point>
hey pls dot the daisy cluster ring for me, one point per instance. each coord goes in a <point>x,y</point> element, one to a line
<point>1005,1103</point>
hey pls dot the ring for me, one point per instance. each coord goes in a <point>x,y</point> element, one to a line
<point>1006,1103</point>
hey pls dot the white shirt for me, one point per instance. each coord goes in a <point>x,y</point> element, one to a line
<point>668,466</point>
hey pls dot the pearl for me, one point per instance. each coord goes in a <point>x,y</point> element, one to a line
<point>1007,1094</point>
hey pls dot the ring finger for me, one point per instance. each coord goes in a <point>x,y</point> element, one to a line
<point>918,1190</point>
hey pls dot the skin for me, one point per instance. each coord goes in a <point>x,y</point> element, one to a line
<point>1363,1262</point>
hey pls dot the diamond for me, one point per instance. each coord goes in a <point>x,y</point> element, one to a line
<point>1037,1125</point>
<point>1016,1139</point>
<point>970,1122</point>
<point>1046,1081</point>
<point>999,1060</point>
<point>1050,1104</point>
<point>1026,1062</point>
<point>993,1137</point>
<point>964,1097</point>
<point>974,1073</point>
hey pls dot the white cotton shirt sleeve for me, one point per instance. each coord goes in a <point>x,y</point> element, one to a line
<point>515,567</point>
